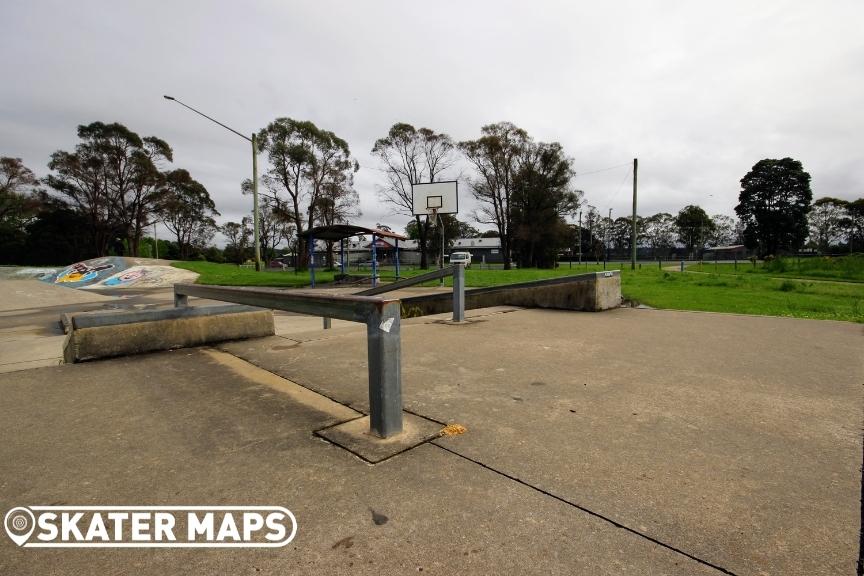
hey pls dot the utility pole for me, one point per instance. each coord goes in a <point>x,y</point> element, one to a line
<point>256,214</point>
<point>633,238</point>
<point>254,143</point>
<point>155,241</point>
<point>607,235</point>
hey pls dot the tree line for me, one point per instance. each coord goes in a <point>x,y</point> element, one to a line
<point>99,199</point>
<point>102,197</point>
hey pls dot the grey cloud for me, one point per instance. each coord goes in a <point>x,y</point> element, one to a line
<point>698,91</point>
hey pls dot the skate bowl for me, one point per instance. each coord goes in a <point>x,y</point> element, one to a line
<point>110,272</point>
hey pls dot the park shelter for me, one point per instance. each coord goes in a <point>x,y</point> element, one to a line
<point>735,252</point>
<point>340,232</point>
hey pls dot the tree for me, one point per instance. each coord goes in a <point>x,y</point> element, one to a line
<point>694,227</point>
<point>19,204</point>
<point>187,211</point>
<point>304,161</point>
<point>496,157</point>
<point>726,231</point>
<point>828,222</point>
<point>621,234</point>
<point>660,234</point>
<point>113,179</point>
<point>453,230</point>
<point>274,226</point>
<point>541,200</point>
<point>237,235</point>
<point>138,204</point>
<point>773,205</point>
<point>338,203</point>
<point>57,235</point>
<point>855,210</point>
<point>594,224</point>
<point>410,156</point>
<point>15,179</point>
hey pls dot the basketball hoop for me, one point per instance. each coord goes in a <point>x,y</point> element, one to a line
<point>433,198</point>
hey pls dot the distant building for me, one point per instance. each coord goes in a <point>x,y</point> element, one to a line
<point>481,249</point>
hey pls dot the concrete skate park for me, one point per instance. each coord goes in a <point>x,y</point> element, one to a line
<point>621,441</point>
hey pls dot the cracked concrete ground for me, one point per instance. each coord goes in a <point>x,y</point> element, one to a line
<point>630,441</point>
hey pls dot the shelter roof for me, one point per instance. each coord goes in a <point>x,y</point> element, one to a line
<point>340,231</point>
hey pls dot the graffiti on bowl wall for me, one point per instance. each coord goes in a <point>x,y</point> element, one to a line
<point>130,276</point>
<point>85,272</point>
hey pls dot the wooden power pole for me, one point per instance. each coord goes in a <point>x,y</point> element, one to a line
<point>633,237</point>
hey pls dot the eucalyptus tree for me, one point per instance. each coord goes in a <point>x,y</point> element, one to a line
<point>112,178</point>
<point>411,156</point>
<point>660,233</point>
<point>828,222</point>
<point>497,157</point>
<point>304,159</point>
<point>19,204</point>
<point>186,209</point>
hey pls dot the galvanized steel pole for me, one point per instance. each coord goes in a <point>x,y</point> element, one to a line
<point>459,292</point>
<point>384,354</point>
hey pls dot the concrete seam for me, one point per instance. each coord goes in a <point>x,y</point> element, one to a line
<point>590,512</point>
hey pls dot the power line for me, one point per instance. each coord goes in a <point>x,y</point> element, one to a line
<point>620,186</point>
<point>602,169</point>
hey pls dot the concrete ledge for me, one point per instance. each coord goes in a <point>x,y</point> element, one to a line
<point>593,292</point>
<point>95,336</point>
<point>73,320</point>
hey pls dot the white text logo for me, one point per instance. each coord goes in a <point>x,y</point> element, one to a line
<point>150,526</point>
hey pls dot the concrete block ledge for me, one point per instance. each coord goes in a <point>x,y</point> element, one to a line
<point>593,292</point>
<point>107,334</point>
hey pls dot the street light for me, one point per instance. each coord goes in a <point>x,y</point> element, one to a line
<point>254,176</point>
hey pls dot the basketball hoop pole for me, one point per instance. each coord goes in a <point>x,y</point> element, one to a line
<point>440,221</point>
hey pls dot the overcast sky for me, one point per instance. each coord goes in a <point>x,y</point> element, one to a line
<point>698,91</point>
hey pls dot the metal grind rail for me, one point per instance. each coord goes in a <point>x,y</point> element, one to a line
<point>456,270</point>
<point>383,337</point>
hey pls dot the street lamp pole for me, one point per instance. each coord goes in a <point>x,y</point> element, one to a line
<point>254,142</point>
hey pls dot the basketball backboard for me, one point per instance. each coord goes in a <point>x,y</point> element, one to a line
<point>435,198</point>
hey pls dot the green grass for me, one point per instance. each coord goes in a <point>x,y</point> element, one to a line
<point>734,293</point>
<point>233,275</point>
<point>746,294</point>
<point>845,268</point>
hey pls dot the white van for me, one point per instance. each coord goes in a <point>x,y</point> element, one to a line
<point>461,257</point>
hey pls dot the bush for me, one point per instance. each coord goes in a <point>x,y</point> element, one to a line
<point>788,286</point>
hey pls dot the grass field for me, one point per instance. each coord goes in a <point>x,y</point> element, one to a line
<point>845,268</point>
<point>741,293</point>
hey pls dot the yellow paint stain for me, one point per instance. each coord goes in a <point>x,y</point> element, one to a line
<point>452,430</point>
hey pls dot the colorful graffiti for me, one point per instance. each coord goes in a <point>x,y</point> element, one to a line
<point>86,272</point>
<point>130,276</point>
<point>115,272</point>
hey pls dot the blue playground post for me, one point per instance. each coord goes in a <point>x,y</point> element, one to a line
<point>342,256</point>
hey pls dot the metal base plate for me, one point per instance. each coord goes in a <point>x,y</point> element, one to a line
<point>356,437</point>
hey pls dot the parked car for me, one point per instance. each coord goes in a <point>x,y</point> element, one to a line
<point>461,257</point>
